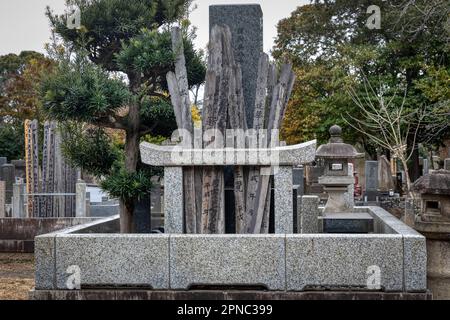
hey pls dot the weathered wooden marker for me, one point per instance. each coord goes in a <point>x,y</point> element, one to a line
<point>240,83</point>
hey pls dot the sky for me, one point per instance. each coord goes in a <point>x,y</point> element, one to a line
<point>24,26</point>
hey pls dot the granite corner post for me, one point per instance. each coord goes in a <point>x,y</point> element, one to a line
<point>414,263</point>
<point>309,215</point>
<point>80,199</point>
<point>173,200</point>
<point>18,201</point>
<point>284,214</point>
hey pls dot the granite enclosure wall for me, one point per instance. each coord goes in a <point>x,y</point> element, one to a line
<point>275,262</point>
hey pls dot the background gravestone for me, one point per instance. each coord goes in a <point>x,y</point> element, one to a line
<point>371,175</point>
<point>297,176</point>
<point>3,160</point>
<point>312,179</point>
<point>350,194</point>
<point>19,168</point>
<point>298,192</point>
<point>155,194</point>
<point>246,26</point>
<point>447,164</point>
<point>385,181</point>
<point>142,215</point>
<point>7,174</point>
<point>371,172</point>
<point>425,167</point>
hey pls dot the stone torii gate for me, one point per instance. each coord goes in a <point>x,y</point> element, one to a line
<point>287,157</point>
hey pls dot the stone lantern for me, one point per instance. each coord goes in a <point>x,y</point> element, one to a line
<point>434,223</point>
<point>434,190</point>
<point>336,155</point>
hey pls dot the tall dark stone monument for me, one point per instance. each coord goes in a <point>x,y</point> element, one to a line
<point>142,215</point>
<point>246,24</point>
<point>7,174</point>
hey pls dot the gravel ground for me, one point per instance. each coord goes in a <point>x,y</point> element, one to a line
<point>16,275</point>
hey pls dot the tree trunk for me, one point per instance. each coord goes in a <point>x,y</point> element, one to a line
<point>131,161</point>
<point>408,179</point>
<point>126,216</point>
<point>414,168</point>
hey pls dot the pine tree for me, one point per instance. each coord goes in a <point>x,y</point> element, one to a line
<point>114,78</point>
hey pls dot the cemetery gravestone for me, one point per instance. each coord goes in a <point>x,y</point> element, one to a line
<point>298,180</point>
<point>426,167</point>
<point>7,174</point>
<point>19,168</point>
<point>447,164</point>
<point>246,26</point>
<point>299,191</point>
<point>142,212</point>
<point>350,195</point>
<point>224,100</point>
<point>371,173</point>
<point>312,179</point>
<point>435,160</point>
<point>18,200</point>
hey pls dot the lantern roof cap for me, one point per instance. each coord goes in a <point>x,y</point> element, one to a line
<point>336,148</point>
<point>437,182</point>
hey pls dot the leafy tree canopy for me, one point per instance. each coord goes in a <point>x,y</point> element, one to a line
<point>333,50</point>
<point>112,75</point>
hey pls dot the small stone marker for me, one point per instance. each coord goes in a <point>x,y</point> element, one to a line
<point>447,164</point>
